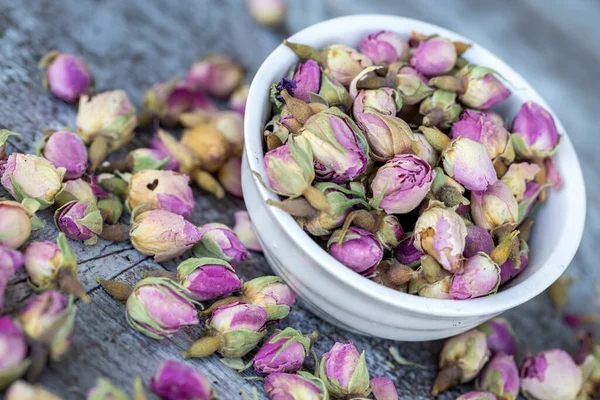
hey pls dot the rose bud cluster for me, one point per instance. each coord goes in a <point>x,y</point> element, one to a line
<point>66,76</point>
<point>177,381</point>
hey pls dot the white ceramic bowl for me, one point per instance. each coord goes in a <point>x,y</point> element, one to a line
<point>344,298</point>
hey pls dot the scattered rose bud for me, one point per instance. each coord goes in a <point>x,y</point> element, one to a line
<point>478,240</point>
<point>534,132</point>
<point>157,144</point>
<point>76,189</point>
<point>230,176</point>
<point>219,241</point>
<point>384,389</point>
<point>15,224</point>
<point>208,278</point>
<point>478,396</point>
<point>440,109</point>
<point>359,250</point>
<point>272,294</point>
<point>344,371</point>
<point>501,377</point>
<point>161,234</point>
<point>494,207</point>
<point>269,13</point>
<point>486,128</point>
<point>407,253</point>
<point>468,163</point>
<point>208,144</point>
<point>143,159</point>
<point>216,74</point>
<point>79,221</point>
<point>435,56</point>
<point>284,351</point>
<point>177,381</point>
<point>244,230</point>
<point>111,209</point>
<point>384,48</point>
<point>500,336</point>
<point>104,390</point>
<point>437,290</point>
<point>65,149</point>
<point>165,190</point>
<point>551,374</point>
<point>13,352</point>
<point>21,390</point>
<point>481,277</point>
<point>231,125</point>
<point>300,386</point>
<point>66,76</point>
<point>237,100</point>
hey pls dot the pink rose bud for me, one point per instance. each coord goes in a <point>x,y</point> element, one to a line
<point>270,13</point>
<point>208,278</point>
<point>66,76</point>
<point>534,132</point>
<point>407,253</point>
<point>238,99</point>
<point>26,176</point>
<point>359,250</point>
<point>230,176</point>
<point>551,375</point>
<point>165,190</point>
<point>13,352</point>
<point>424,150</point>
<point>384,389</point>
<point>143,159</point>
<point>216,74</point>
<point>435,56</point>
<point>284,351</point>
<point>517,177</point>
<point>290,168</point>
<point>219,241</point>
<point>76,189</point>
<point>49,319</point>
<point>104,390</point>
<point>15,224</point>
<point>441,233</point>
<point>500,336</point>
<point>494,207</point>
<point>159,307</point>
<point>157,144</point>
<point>65,149</point>
<point>501,377</point>
<point>385,47</point>
<point>481,277</point>
<point>402,184</point>
<point>10,261</point>
<point>390,232</point>
<point>344,371</point>
<point>478,240</point>
<point>272,294</point>
<point>440,109</point>
<point>482,89</point>
<point>300,386</point>
<point>468,163</point>
<point>79,221</point>
<point>231,125</point>
<point>478,396</point>
<point>509,270</point>
<point>21,390</point>
<point>177,381</point>
<point>484,128</point>
<point>244,230</point>
<point>461,360</point>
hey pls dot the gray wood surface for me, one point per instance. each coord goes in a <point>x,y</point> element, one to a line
<point>133,44</point>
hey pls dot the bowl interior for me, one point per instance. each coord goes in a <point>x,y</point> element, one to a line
<point>559,221</point>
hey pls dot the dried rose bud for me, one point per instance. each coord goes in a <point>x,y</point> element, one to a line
<point>509,270</point>
<point>494,207</point>
<point>76,189</point>
<point>13,352</point>
<point>208,278</point>
<point>21,390</point>
<point>500,336</point>
<point>65,149</point>
<point>307,79</point>
<point>384,48</point>
<point>440,109</point>
<point>105,122</point>
<point>66,76</point>
<point>177,381</point>
<point>15,224</point>
<point>159,307</point>
<point>359,250</point>
<point>402,184</point>
<point>208,144</point>
<point>284,351</point>
<point>237,100</point>
<point>478,240</point>
<point>289,167</point>
<point>551,374</point>
<point>270,13</point>
<point>478,396</point>
<point>216,74</point>
<point>411,84</point>
<point>219,241</point>
<point>50,318</point>
<point>104,390</point>
<point>26,176</point>
<point>518,175</point>
<point>111,209</point>
<point>481,277</point>
<point>272,294</point>
<point>407,253</point>
<point>230,176</point>
<point>501,377</point>
<point>233,331</point>
<point>435,56</point>
<point>424,150</point>
<point>390,232</point>
<point>485,128</point>
<point>245,231</point>
<point>165,190</point>
<point>300,386</point>
<point>441,233</point>
<point>468,163</point>
<point>79,221</point>
<point>231,125</point>
<point>10,261</point>
<point>344,371</point>
<point>437,290</point>
<point>461,360</point>
<point>161,234</point>
<point>157,144</point>
<point>534,132</point>
<point>384,389</point>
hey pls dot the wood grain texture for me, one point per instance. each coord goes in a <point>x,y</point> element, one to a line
<point>133,44</point>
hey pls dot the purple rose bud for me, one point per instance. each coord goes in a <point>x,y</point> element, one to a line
<point>208,278</point>
<point>162,234</point>
<point>219,241</point>
<point>509,270</point>
<point>441,233</point>
<point>534,132</point>
<point>104,390</point>
<point>237,100</point>
<point>500,336</point>
<point>435,56</point>
<point>159,307</point>
<point>166,190</point>
<point>301,386</point>
<point>407,253</point>
<point>65,149</point>
<point>308,80</point>
<point>79,221</point>
<point>290,168</point>
<point>283,352</point>
<point>344,371</point>
<point>384,47</point>
<point>269,13</point>
<point>230,176</point>
<point>440,109</point>
<point>478,240</point>
<point>76,189</point>
<point>390,232</point>
<point>244,230</point>
<point>66,76</point>
<point>10,261</point>
<point>402,183</point>
<point>551,374</point>
<point>359,250</point>
<point>177,381</point>
<point>384,389</point>
<point>272,294</point>
<point>15,224</point>
<point>217,74</point>
<point>50,318</point>
<point>13,352</point>
<point>501,377</point>
<point>21,390</point>
<point>157,144</point>
<point>478,396</point>
<point>482,89</point>
<point>468,163</point>
<point>494,207</point>
<point>484,128</point>
<point>481,277</point>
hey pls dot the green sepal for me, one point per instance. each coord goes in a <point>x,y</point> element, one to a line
<point>318,382</point>
<point>191,264</point>
<point>141,163</point>
<point>105,390</point>
<point>494,383</point>
<point>276,312</point>
<point>293,334</point>
<point>37,223</point>
<point>238,343</point>
<point>208,247</point>
<point>236,364</point>
<point>27,200</point>
<point>57,336</point>
<point>111,208</point>
<point>275,126</point>
<point>332,93</point>
<point>92,219</point>
<point>521,147</point>
<point>359,384</point>
<point>276,104</point>
<point>10,375</point>
<point>43,65</point>
<point>412,89</point>
<point>69,259</point>
<point>5,134</point>
<point>257,284</point>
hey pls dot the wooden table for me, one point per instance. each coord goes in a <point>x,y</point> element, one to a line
<point>132,44</point>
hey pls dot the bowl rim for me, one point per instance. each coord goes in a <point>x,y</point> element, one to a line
<point>510,297</point>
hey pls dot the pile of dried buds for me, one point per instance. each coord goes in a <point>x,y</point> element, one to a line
<point>393,159</point>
